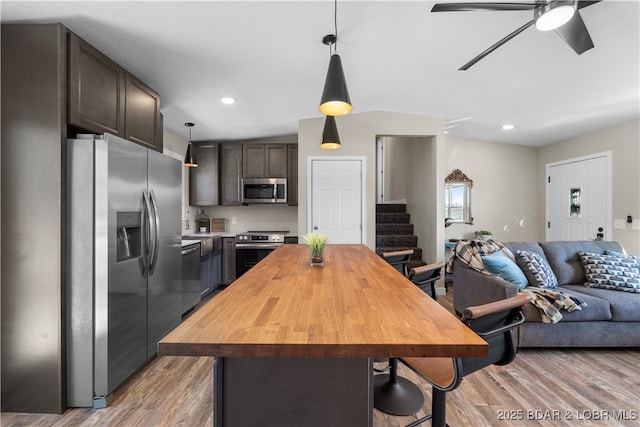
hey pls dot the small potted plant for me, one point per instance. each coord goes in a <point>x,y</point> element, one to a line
<point>483,235</point>
<point>316,242</point>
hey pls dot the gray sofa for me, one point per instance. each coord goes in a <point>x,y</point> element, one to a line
<point>611,318</point>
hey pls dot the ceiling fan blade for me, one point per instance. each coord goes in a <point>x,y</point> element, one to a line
<point>575,34</point>
<point>585,3</point>
<point>467,7</point>
<point>496,45</point>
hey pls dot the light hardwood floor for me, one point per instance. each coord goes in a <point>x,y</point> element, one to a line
<point>542,387</point>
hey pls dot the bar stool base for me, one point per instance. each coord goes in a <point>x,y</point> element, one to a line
<point>396,398</point>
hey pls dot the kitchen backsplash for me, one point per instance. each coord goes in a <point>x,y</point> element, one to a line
<point>252,217</point>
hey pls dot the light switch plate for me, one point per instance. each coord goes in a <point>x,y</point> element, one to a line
<point>636,224</point>
<point>618,224</point>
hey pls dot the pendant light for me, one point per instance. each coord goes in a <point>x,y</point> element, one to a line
<point>335,99</point>
<point>330,137</point>
<point>190,157</point>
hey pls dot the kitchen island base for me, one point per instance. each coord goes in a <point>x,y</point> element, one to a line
<point>253,391</point>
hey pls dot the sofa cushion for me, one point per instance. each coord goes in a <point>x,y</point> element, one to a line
<point>564,260</point>
<point>611,272</point>
<point>624,307</point>
<point>597,308</point>
<point>534,247</point>
<point>537,270</point>
<point>501,265</point>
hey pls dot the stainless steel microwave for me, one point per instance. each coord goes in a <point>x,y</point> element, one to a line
<point>264,190</point>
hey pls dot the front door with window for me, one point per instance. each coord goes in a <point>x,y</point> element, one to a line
<point>579,198</point>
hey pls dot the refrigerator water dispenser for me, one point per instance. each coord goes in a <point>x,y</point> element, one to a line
<point>129,235</point>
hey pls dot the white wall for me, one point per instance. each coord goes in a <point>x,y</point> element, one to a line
<point>624,142</point>
<point>358,132</point>
<point>504,197</point>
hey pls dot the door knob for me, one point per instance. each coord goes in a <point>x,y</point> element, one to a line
<point>315,227</point>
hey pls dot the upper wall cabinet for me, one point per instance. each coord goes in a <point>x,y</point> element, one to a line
<point>96,89</point>
<point>264,161</point>
<point>203,180</point>
<point>230,174</point>
<point>103,97</point>
<point>142,118</point>
<point>292,175</point>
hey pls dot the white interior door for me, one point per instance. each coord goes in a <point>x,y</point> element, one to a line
<point>336,199</point>
<point>579,199</point>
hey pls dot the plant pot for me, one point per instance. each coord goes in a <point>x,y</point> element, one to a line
<point>317,257</point>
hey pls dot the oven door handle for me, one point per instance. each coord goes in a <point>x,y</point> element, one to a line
<point>258,246</point>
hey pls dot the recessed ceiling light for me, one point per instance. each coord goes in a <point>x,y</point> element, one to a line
<point>507,127</point>
<point>228,100</point>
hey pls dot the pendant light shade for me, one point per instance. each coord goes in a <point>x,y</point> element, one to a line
<point>190,156</point>
<point>335,99</point>
<point>330,137</point>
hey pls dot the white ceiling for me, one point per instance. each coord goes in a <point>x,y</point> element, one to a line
<point>397,57</point>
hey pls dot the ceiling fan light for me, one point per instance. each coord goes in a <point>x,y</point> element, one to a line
<point>554,15</point>
<point>335,99</point>
<point>330,137</point>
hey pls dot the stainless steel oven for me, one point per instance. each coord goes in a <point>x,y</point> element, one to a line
<point>253,246</point>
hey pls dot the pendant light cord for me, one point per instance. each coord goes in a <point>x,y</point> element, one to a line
<point>335,23</point>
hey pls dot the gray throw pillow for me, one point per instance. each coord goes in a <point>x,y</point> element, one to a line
<point>536,269</point>
<point>619,273</point>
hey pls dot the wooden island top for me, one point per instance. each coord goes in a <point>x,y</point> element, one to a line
<point>356,306</point>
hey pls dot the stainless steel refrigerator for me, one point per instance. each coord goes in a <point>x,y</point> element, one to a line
<point>123,263</point>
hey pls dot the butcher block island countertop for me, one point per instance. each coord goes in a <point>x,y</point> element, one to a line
<point>356,306</point>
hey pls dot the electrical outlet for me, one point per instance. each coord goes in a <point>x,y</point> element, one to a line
<point>234,220</point>
<point>636,224</point>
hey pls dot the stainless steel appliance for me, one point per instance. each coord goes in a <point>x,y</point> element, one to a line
<point>253,246</point>
<point>190,276</point>
<point>123,261</point>
<point>210,263</point>
<point>264,190</point>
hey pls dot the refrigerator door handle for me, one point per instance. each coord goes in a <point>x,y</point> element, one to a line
<point>155,241</point>
<point>148,233</point>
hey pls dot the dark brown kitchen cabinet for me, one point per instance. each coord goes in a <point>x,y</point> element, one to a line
<point>228,260</point>
<point>264,161</point>
<point>96,89</point>
<point>142,118</point>
<point>276,161</point>
<point>292,175</point>
<point>203,180</point>
<point>253,161</point>
<point>231,174</point>
<point>103,97</point>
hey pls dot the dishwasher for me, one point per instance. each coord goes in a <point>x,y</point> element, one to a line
<point>190,294</point>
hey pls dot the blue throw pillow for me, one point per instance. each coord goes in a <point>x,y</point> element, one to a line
<point>500,264</point>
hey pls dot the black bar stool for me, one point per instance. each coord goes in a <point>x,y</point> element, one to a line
<point>426,276</point>
<point>494,322</point>
<point>394,394</point>
<point>399,260</point>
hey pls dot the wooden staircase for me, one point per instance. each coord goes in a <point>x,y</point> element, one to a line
<point>394,232</point>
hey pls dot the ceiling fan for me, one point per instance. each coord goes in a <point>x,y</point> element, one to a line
<point>562,16</point>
